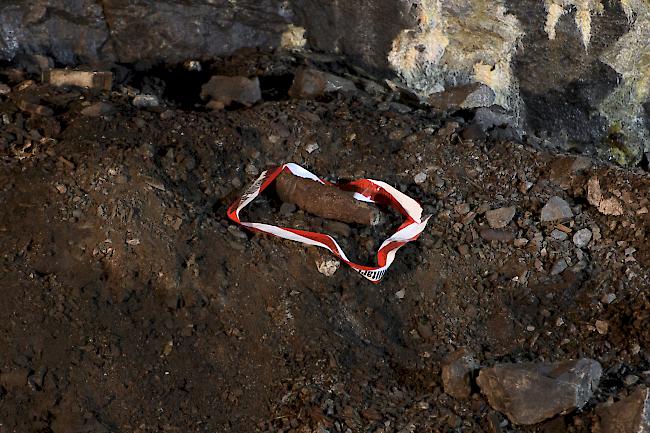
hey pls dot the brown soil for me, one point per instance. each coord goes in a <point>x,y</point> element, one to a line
<point>131,304</point>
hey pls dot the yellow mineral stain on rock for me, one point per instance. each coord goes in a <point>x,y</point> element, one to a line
<point>457,43</point>
<point>623,108</point>
<point>293,38</point>
<point>554,12</point>
<point>584,9</point>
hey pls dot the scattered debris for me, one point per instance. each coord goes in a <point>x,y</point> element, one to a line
<point>500,218</point>
<point>325,201</point>
<point>529,393</point>
<point>556,209</point>
<point>226,90</point>
<point>457,369</point>
<point>310,83</point>
<point>146,101</point>
<point>97,80</point>
<point>631,414</point>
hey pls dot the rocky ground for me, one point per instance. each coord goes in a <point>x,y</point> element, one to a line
<point>130,303</point>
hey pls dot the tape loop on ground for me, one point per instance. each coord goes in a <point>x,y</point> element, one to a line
<point>367,190</point>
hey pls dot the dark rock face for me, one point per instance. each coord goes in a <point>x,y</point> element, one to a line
<point>90,31</point>
<point>563,74</point>
<point>69,31</point>
<point>177,31</point>
<point>362,30</point>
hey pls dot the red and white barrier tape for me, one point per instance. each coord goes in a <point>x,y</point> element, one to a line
<point>367,190</point>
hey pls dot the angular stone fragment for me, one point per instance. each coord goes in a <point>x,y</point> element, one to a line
<point>456,373</point>
<point>629,415</point>
<point>98,109</point>
<point>606,206</point>
<point>499,218</point>
<point>311,83</point>
<point>556,209</point>
<point>529,393</point>
<point>98,80</point>
<point>227,90</point>
<point>463,97</point>
<point>497,235</point>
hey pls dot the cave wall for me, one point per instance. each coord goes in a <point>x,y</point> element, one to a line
<point>575,72</point>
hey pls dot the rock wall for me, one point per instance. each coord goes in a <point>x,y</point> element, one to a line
<point>575,72</point>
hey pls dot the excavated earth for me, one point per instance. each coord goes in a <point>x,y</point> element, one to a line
<point>130,303</point>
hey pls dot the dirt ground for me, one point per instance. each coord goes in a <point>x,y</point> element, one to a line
<point>130,303</point>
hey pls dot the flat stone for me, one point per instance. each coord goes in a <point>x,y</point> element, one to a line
<point>559,267</point>
<point>556,209</point>
<point>227,90</point>
<point>497,235</point>
<point>582,237</point>
<point>529,393</point>
<point>311,83</point>
<point>146,101</point>
<point>457,369</point>
<point>559,235</point>
<point>631,414</point>
<point>500,218</point>
<point>98,80</point>
<point>420,178</point>
<point>98,109</point>
<point>462,97</point>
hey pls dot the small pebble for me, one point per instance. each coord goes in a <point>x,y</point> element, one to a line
<point>312,147</point>
<point>630,379</point>
<point>559,267</point>
<point>602,327</point>
<point>521,242</point>
<point>608,298</point>
<point>559,235</point>
<point>400,294</point>
<point>327,266</point>
<point>420,178</point>
<point>582,238</point>
<point>287,208</point>
<point>500,218</point>
<point>146,101</point>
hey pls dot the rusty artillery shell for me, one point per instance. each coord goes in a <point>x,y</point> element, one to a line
<point>325,201</point>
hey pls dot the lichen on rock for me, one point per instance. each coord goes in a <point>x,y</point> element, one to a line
<point>584,10</point>
<point>457,43</point>
<point>623,108</point>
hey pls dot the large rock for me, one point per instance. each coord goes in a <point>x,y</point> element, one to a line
<point>529,393</point>
<point>629,415</point>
